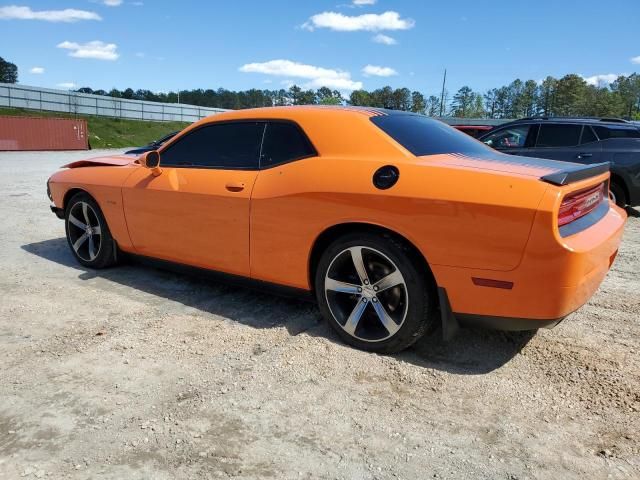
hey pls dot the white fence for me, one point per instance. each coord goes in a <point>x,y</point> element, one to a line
<point>35,98</point>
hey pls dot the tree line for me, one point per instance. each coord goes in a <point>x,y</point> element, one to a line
<point>570,95</point>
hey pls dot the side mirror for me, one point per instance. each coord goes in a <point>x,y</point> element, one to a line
<point>151,160</point>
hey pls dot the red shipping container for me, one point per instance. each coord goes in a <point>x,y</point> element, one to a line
<point>39,133</point>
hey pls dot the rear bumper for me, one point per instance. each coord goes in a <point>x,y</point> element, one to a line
<point>555,277</point>
<point>505,323</point>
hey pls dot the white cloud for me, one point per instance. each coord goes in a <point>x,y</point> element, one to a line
<point>66,85</point>
<point>14,12</point>
<point>361,3</point>
<point>96,49</point>
<point>602,79</point>
<point>384,39</point>
<point>140,54</point>
<point>37,70</point>
<point>112,3</point>
<point>636,60</point>
<point>370,22</point>
<point>137,4</point>
<point>316,76</point>
<point>376,71</point>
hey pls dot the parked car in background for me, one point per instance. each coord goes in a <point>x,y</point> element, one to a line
<point>153,145</point>
<point>580,140</point>
<point>473,130</point>
<point>386,217</point>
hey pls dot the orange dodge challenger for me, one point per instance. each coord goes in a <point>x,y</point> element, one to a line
<point>394,221</point>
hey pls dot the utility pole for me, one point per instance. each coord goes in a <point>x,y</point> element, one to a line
<point>444,81</point>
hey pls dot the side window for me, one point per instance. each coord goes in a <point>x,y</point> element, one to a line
<point>616,132</point>
<point>587,135</point>
<point>284,142</point>
<point>559,135</point>
<point>512,137</point>
<point>234,146</point>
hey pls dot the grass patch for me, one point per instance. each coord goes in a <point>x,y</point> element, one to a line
<point>107,132</point>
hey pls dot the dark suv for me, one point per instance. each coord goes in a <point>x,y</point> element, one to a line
<point>580,140</point>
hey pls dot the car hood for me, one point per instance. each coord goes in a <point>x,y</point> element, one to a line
<point>115,161</point>
<point>498,162</point>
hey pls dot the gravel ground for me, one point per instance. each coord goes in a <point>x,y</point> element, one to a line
<point>135,373</point>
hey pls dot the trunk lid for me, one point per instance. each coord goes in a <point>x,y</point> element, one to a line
<point>550,171</point>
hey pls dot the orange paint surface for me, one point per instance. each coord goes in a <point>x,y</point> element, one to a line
<point>468,217</point>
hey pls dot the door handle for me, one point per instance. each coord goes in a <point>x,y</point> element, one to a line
<point>584,155</point>
<point>235,186</point>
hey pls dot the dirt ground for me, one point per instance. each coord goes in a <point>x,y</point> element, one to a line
<point>135,373</point>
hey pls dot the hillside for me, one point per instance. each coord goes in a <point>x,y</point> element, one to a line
<point>106,132</point>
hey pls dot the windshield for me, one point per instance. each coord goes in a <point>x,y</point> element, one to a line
<point>425,136</point>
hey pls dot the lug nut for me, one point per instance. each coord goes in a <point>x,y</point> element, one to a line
<point>375,300</point>
<point>375,288</point>
<point>366,282</point>
<point>359,289</point>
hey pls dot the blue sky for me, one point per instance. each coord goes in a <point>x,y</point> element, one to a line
<point>241,44</point>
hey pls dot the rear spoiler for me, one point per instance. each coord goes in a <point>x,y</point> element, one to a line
<point>575,174</point>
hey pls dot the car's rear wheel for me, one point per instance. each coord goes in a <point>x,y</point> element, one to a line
<point>617,195</point>
<point>88,234</point>
<point>373,293</point>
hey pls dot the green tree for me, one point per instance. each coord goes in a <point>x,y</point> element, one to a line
<point>401,99</point>
<point>360,98</point>
<point>490,102</point>
<point>326,96</point>
<point>418,103</point>
<point>8,71</point>
<point>528,99</point>
<point>547,96</point>
<point>570,95</point>
<point>433,106</point>
<point>627,93</point>
<point>463,102</point>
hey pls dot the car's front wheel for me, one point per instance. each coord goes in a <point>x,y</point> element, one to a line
<point>373,293</point>
<point>88,234</point>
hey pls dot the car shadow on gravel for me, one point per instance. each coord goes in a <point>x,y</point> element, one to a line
<point>471,352</point>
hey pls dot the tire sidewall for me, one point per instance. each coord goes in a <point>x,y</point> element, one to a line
<point>619,194</point>
<point>418,318</point>
<point>105,254</point>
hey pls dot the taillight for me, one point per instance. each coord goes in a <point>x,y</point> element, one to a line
<point>579,204</point>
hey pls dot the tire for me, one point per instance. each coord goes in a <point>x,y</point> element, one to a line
<point>88,234</point>
<point>617,195</point>
<point>367,312</point>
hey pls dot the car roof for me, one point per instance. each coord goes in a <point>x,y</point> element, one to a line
<point>332,130</point>
<point>296,111</point>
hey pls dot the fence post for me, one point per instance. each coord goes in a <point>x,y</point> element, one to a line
<point>9,90</point>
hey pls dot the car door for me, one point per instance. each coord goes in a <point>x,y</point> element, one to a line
<point>513,139</point>
<point>197,210</point>
<point>568,142</point>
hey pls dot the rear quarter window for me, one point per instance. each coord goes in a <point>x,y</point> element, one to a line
<point>551,135</point>
<point>284,142</point>
<point>425,136</point>
<point>605,133</point>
